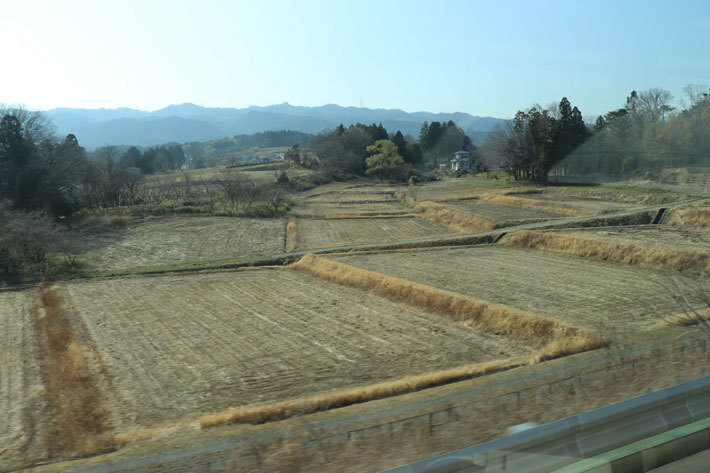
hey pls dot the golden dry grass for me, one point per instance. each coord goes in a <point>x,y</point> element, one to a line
<point>626,253</point>
<point>690,217</point>
<point>79,422</point>
<point>685,320</point>
<point>457,220</point>
<point>292,235</point>
<point>498,198</point>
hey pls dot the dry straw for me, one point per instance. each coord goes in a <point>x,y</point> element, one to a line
<point>293,238</point>
<point>626,253</point>
<point>79,421</point>
<point>497,198</point>
<point>457,220</point>
<point>553,338</point>
<point>691,217</point>
<point>686,319</point>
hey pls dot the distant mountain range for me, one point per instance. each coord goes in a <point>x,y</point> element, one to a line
<point>189,122</point>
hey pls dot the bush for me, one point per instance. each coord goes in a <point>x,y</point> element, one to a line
<point>28,239</point>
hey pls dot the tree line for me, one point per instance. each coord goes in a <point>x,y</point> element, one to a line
<point>362,149</point>
<point>639,139</point>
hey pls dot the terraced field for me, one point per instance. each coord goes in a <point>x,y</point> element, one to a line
<point>624,303</point>
<point>584,206</point>
<point>320,233</point>
<point>174,240</point>
<point>335,210</point>
<point>655,236</point>
<point>178,346</point>
<point>503,213</point>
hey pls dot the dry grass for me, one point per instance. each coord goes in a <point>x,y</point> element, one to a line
<point>285,409</point>
<point>362,215</point>
<point>685,319</point>
<point>292,236</point>
<point>555,338</point>
<point>690,217</point>
<point>456,220</point>
<point>79,422</point>
<point>173,240</point>
<point>498,198</point>
<point>626,253</point>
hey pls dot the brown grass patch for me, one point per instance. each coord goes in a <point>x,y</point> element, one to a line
<point>686,319</point>
<point>503,199</point>
<point>690,217</point>
<point>292,236</point>
<point>626,253</point>
<point>79,421</point>
<point>457,220</point>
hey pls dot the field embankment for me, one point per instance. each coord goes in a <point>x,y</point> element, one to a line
<point>507,199</point>
<point>78,418</point>
<point>625,253</point>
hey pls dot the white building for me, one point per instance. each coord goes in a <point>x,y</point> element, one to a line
<point>461,161</point>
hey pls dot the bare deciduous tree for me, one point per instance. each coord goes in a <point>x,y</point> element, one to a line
<point>655,103</point>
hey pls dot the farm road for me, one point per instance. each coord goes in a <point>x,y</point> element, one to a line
<point>453,239</point>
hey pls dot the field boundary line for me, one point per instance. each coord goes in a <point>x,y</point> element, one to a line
<point>625,253</point>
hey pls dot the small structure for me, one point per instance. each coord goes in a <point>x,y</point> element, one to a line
<point>461,161</point>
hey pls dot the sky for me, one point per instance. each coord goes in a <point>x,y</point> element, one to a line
<point>487,58</point>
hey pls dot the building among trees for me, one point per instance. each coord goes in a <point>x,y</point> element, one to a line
<point>461,161</point>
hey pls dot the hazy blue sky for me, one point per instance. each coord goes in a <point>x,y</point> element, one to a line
<point>481,57</point>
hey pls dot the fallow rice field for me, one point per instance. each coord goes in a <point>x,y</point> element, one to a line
<point>138,242</point>
<point>94,360</point>
<point>622,302</point>
<point>321,233</point>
